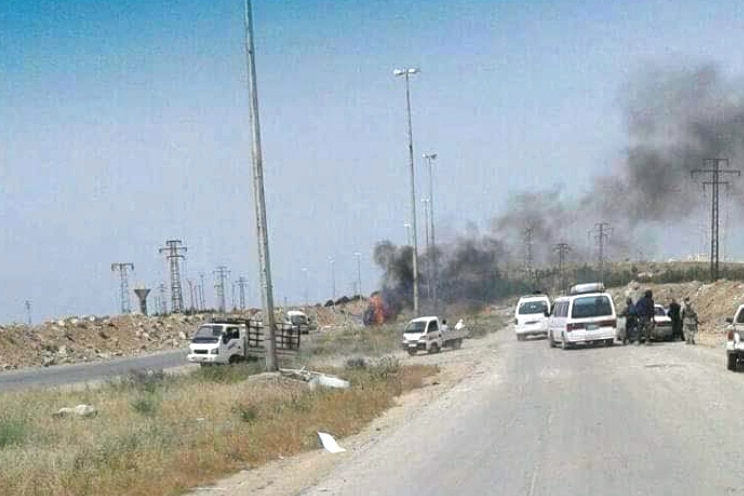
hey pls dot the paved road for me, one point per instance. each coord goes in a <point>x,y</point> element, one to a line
<point>658,420</point>
<point>77,373</point>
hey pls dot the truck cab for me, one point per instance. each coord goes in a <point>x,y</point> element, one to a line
<point>298,319</point>
<point>218,343</point>
<point>735,339</point>
<point>423,333</point>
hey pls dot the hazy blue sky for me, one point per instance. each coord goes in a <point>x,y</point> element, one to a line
<point>125,123</point>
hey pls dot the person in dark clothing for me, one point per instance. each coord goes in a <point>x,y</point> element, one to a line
<point>631,321</point>
<point>674,314</point>
<point>645,310</point>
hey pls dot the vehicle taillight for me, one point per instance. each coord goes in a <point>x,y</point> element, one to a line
<point>574,327</point>
<point>608,323</point>
<point>730,335</point>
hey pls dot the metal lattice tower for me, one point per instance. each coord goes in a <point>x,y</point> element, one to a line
<point>124,268</point>
<point>601,232</point>
<point>562,249</point>
<point>242,284</point>
<point>174,253</point>
<point>527,242</point>
<point>221,272</point>
<point>712,167</point>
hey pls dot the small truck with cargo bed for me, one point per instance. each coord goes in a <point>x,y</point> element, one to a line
<point>227,341</point>
<point>735,339</point>
<point>427,334</point>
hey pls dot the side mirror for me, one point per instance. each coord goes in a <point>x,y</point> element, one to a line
<point>730,320</point>
<point>547,313</point>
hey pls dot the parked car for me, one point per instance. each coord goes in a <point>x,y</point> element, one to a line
<point>735,339</point>
<point>587,315</point>
<point>530,316</point>
<point>662,325</point>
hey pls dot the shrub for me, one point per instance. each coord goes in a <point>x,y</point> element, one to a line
<point>12,432</point>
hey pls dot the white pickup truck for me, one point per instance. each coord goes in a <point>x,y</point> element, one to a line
<point>735,339</point>
<point>426,334</point>
<point>227,341</point>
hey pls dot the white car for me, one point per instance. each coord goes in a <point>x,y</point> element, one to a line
<point>663,330</point>
<point>531,316</point>
<point>587,315</point>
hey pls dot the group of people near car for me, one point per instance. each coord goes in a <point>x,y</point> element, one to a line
<point>639,319</point>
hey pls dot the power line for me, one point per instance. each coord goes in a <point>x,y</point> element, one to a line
<point>173,249</point>
<point>123,268</point>
<point>712,167</point>
<point>221,272</point>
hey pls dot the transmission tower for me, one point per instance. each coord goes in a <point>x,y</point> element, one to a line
<point>601,233</point>
<point>174,253</point>
<point>527,242</point>
<point>221,272</point>
<point>202,303</point>
<point>28,312</point>
<point>124,268</point>
<point>712,168</point>
<point>242,284</point>
<point>562,249</point>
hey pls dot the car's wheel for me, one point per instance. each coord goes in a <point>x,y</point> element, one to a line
<point>434,348</point>
<point>520,337</point>
<point>609,342</point>
<point>458,344</point>
<point>551,343</point>
<point>411,352</point>
<point>564,343</point>
<point>731,361</point>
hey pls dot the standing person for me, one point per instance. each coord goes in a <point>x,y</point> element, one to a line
<point>675,315</point>
<point>690,319</point>
<point>631,321</point>
<point>645,311</point>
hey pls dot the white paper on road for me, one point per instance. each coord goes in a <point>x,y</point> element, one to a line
<point>329,443</point>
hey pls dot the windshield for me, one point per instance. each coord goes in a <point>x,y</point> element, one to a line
<point>659,312</point>
<point>418,327</point>
<point>207,333</point>
<point>530,307</point>
<point>298,319</point>
<point>591,306</point>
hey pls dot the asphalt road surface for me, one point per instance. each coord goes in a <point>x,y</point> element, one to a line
<point>61,375</point>
<point>667,419</point>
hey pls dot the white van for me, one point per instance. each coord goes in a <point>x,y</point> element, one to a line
<point>530,316</point>
<point>587,315</point>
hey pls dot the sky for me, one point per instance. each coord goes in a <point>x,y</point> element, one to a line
<point>125,123</point>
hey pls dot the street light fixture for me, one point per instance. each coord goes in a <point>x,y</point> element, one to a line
<point>406,73</point>
<point>430,158</point>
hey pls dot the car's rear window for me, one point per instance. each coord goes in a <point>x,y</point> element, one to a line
<point>537,306</point>
<point>591,306</point>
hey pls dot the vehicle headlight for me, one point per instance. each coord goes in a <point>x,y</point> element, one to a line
<point>214,351</point>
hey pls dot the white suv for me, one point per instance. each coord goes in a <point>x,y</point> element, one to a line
<point>586,315</point>
<point>530,316</point>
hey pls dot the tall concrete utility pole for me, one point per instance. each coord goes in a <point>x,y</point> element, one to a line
<point>562,249</point>
<point>427,269</point>
<point>406,74</point>
<point>712,167</point>
<point>601,232</point>
<point>220,284</point>
<point>331,265</point>
<point>267,293</point>
<point>174,254</point>
<point>358,257</point>
<point>305,271</point>
<point>123,268</point>
<point>430,158</point>
<point>202,301</point>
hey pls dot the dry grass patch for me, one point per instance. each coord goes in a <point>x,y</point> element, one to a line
<point>369,341</point>
<point>157,435</point>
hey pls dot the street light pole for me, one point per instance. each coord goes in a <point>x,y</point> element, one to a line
<point>304,269</point>
<point>425,201</point>
<point>407,73</point>
<point>430,158</point>
<point>331,261</point>
<point>358,257</point>
<point>267,292</point>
